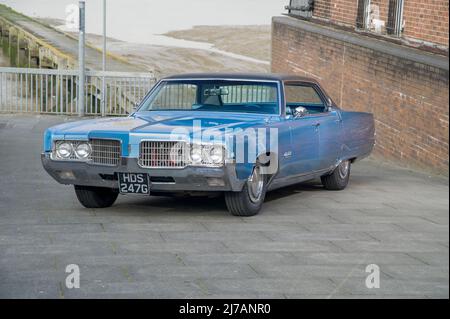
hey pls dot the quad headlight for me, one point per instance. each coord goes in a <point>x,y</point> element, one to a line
<point>72,150</point>
<point>64,150</point>
<point>83,150</point>
<point>207,154</point>
<point>216,154</point>
<point>196,154</point>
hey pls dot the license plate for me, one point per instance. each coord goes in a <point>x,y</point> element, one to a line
<point>134,183</point>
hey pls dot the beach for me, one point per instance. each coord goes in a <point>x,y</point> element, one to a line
<point>171,38</point>
<point>165,60</point>
<point>223,50</point>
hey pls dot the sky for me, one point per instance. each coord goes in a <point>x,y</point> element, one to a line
<point>137,20</point>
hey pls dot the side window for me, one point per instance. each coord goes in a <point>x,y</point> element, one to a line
<point>303,95</point>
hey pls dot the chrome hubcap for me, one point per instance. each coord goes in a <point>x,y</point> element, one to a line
<point>255,185</point>
<point>343,169</point>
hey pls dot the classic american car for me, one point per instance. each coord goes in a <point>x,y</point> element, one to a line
<point>240,135</point>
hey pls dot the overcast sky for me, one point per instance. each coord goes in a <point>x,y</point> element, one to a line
<point>131,20</point>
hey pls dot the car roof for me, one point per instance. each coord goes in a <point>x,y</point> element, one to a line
<point>241,76</point>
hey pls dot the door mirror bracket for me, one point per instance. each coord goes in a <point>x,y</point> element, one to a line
<point>299,112</point>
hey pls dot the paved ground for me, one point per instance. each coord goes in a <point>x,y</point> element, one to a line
<point>307,242</point>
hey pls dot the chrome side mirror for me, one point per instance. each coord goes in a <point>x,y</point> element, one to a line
<point>135,106</point>
<point>329,102</point>
<point>299,112</point>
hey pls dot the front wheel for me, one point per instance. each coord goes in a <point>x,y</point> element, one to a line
<point>248,202</point>
<point>338,179</point>
<point>95,197</point>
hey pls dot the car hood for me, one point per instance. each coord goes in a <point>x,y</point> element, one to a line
<point>160,123</point>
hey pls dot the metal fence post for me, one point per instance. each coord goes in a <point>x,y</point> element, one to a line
<point>81,62</point>
<point>103,102</point>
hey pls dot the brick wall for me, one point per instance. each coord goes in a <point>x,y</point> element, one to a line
<point>409,99</point>
<point>337,11</point>
<point>425,20</point>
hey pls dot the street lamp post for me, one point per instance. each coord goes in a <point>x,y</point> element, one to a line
<point>81,54</point>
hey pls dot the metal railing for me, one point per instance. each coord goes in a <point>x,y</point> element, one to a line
<point>49,91</point>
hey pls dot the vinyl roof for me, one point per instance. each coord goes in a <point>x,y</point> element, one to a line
<point>242,76</point>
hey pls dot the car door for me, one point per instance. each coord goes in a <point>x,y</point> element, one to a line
<point>304,145</point>
<point>304,153</point>
<point>330,130</point>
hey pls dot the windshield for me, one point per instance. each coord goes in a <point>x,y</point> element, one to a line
<point>214,96</point>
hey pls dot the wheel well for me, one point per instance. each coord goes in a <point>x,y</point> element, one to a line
<point>266,160</point>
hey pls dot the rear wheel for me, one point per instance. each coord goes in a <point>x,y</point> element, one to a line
<point>339,178</point>
<point>248,202</point>
<point>95,197</point>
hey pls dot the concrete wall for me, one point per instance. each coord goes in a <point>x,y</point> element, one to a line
<point>425,20</point>
<point>407,90</point>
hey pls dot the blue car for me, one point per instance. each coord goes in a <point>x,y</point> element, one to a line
<point>240,135</point>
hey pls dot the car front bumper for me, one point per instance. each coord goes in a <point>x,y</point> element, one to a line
<point>190,178</point>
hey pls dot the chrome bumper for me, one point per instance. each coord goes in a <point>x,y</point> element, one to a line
<point>189,178</point>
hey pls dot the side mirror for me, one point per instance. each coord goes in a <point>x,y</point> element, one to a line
<point>299,112</point>
<point>135,106</point>
<point>329,102</point>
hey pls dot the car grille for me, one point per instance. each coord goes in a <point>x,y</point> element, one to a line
<point>159,154</point>
<point>105,152</point>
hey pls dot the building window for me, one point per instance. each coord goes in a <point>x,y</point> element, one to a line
<point>369,17</point>
<point>363,14</point>
<point>395,18</point>
<point>300,8</point>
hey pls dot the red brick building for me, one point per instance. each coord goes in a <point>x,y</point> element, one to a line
<point>388,57</point>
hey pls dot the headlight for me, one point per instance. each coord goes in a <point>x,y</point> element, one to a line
<point>216,154</point>
<point>196,155</point>
<point>64,150</point>
<point>207,154</point>
<point>83,150</point>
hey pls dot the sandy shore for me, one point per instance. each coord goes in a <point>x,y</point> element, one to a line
<point>249,40</point>
<point>165,60</point>
<point>233,49</point>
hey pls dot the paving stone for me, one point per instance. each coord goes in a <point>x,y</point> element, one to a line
<point>263,286</point>
<point>191,273</point>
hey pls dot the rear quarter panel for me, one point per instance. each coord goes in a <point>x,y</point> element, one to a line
<point>358,136</point>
